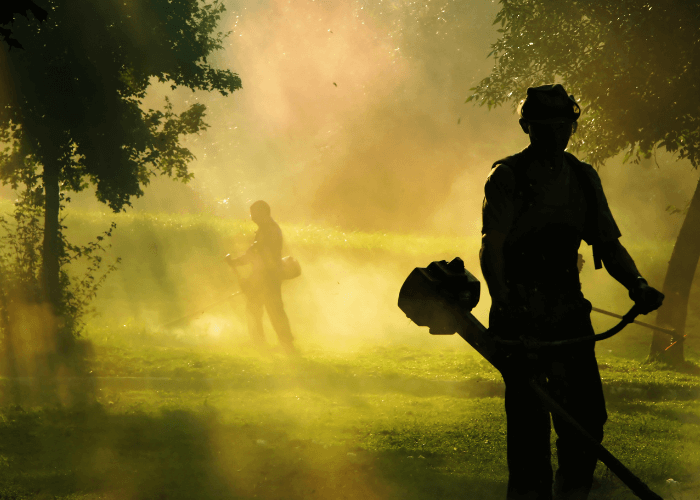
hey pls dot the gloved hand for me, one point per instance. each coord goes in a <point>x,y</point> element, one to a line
<point>646,298</point>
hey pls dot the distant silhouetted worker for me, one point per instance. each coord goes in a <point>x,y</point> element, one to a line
<point>538,206</point>
<point>263,288</point>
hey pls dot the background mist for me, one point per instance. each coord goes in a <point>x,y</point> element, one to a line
<point>352,116</point>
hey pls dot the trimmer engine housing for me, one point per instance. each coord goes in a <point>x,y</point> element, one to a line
<point>441,297</point>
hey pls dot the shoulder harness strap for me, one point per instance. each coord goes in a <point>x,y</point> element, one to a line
<point>523,192</point>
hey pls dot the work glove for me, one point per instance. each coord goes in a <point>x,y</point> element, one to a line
<point>646,298</point>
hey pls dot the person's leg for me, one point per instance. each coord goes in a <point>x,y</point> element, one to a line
<point>528,422</point>
<point>278,317</point>
<point>575,384</point>
<point>254,313</point>
<point>529,452</point>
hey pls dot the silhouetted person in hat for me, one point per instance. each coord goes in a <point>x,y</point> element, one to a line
<point>263,288</point>
<point>539,205</point>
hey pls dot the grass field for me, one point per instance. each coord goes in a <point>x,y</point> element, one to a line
<point>170,419</point>
<point>374,408</point>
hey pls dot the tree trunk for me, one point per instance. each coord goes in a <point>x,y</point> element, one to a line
<point>8,350</point>
<point>679,278</point>
<point>51,251</point>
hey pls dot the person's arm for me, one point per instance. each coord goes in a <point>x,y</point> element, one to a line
<point>498,213</point>
<point>245,258</point>
<point>620,265</point>
<point>234,262</point>
<point>491,259</point>
<point>270,248</point>
<point>617,261</point>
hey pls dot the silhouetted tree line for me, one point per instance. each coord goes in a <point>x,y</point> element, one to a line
<point>73,76</point>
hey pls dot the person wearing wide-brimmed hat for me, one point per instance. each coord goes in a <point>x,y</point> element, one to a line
<point>539,205</point>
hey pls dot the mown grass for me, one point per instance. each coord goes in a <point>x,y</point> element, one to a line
<point>162,355</point>
<point>240,424</point>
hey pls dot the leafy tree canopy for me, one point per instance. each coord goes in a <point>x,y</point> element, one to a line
<point>634,65</point>
<point>9,10</point>
<point>72,98</point>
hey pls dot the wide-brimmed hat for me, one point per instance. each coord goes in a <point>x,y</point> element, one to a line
<point>549,104</point>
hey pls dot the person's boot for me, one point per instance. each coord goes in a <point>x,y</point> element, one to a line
<point>574,494</point>
<point>564,488</point>
<point>289,349</point>
<point>261,346</point>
